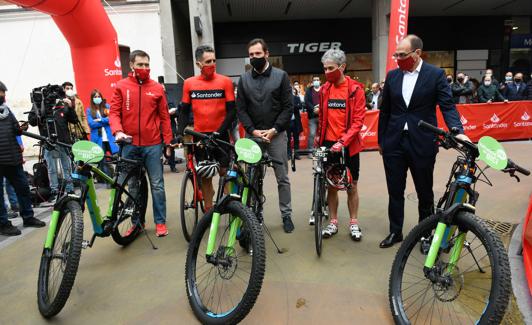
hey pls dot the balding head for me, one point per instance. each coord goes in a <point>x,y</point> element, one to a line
<point>375,88</point>
<point>410,46</point>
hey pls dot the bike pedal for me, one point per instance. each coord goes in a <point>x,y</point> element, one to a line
<point>85,244</point>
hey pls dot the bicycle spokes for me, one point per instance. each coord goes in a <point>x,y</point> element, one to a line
<point>455,290</point>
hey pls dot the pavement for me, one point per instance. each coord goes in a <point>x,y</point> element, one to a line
<point>348,284</point>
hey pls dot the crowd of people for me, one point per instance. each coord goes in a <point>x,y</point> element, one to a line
<point>268,106</point>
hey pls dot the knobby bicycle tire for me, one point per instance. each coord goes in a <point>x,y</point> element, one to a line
<point>188,178</point>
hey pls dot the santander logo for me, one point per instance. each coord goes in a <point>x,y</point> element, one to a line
<point>463,120</point>
<point>525,117</point>
<point>364,127</point>
<point>496,123</point>
<point>117,62</point>
<point>525,121</point>
<point>365,132</point>
<point>467,127</point>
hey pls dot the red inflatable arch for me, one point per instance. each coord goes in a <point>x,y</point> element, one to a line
<point>92,39</point>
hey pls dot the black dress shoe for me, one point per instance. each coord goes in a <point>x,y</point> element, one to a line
<point>391,239</point>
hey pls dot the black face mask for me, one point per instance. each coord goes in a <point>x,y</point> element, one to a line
<point>517,80</point>
<point>460,79</point>
<point>2,100</point>
<point>449,80</point>
<point>258,63</point>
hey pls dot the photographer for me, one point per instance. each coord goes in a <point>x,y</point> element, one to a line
<point>52,115</point>
<point>11,168</point>
<point>80,129</point>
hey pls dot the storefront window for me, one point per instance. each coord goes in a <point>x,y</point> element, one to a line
<point>441,59</point>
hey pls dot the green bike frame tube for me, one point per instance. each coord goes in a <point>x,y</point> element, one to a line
<point>235,225</point>
<point>435,245</point>
<point>51,230</point>
<point>94,209</point>
<point>456,251</point>
<point>111,202</point>
<point>212,233</point>
<point>103,175</point>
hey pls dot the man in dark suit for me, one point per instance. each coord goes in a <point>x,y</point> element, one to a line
<point>516,90</point>
<point>411,94</point>
<point>374,97</point>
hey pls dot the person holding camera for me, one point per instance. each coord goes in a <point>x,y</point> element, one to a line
<point>53,115</point>
<point>80,129</point>
<point>11,168</point>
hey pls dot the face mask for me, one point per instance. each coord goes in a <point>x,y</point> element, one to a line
<point>518,80</point>
<point>406,64</point>
<point>333,76</point>
<point>142,74</point>
<point>2,100</point>
<point>508,78</point>
<point>70,93</point>
<point>208,71</point>
<point>316,84</point>
<point>487,83</point>
<point>460,79</point>
<point>449,80</point>
<point>258,63</point>
<point>97,100</point>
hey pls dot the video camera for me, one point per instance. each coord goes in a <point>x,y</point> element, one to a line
<point>47,98</point>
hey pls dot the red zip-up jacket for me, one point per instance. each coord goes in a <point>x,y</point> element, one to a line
<point>355,113</point>
<point>141,111</point>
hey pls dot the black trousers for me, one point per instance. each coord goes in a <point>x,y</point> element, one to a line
<point>292,131</point>
<point>396,165</point>
<point>17,178</point>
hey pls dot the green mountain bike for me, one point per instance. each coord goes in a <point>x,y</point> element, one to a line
<point>226,255</point>
<point>123,221</point>
<point>460,273</point>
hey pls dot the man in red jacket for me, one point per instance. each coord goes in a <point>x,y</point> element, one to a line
<point>341,117</point>
<point>139,114</point>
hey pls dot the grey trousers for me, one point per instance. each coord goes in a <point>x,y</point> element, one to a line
<point>277,150</point>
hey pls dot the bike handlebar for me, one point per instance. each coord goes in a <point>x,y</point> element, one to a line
<point>48,141</point>
<point>517,168</point>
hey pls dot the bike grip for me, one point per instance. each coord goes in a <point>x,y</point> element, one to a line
<point>196,134</point>
<point>518,168</point>
<point>427,126</point>
<point>130,161</point>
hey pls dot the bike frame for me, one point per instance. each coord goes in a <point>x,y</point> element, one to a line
<point>458,192</point>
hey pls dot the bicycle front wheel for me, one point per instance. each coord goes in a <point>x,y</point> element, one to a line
<point>475,290</point>
<point>223,288</point>
<point>59,264</point>
<point>130,217</point>
<point>317,211</point>
<point>190,205</point>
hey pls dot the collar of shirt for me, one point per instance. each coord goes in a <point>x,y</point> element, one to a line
<point>266,73</point>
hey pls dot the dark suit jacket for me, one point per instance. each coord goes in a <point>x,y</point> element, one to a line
<point>431,89</point>
<point>512,94</point>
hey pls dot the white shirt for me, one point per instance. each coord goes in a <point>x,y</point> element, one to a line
<point>409,82</point>
<point>375,100</point>
<point>104,133</point>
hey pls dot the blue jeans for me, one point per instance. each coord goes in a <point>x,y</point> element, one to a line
<point>51,157</point>
<point>11,195</point>
<point>151,157</point>
<point>313,127</point>
<point>15,175</point>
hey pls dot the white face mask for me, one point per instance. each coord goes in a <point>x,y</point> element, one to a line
<point>487,83</point>
<point>70,93</point>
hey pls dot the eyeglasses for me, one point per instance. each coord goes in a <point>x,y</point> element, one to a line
<point>401,55</point>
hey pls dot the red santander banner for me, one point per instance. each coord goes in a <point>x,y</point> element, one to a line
<point>398,29</point>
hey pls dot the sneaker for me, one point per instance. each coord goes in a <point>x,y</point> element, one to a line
<point>131,230</point>
<point>33,222</point>
<point>12,215</point>
<point>161,230</point>
<point>8,229</point>
<point>330,230</point>
<point>355,232</point>
<point>311,220</point>
<point>288,225</point>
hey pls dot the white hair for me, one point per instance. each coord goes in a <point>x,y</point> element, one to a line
<point>334,55</point>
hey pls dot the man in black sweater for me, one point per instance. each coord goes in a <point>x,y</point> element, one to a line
<point>11,168</point>
<point>264,106</point>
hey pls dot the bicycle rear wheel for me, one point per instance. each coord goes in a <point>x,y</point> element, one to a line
<point>190,204</point>
<point>59,264</point>
<point>476,290</point>
<point>317,210</point>
<point>130,217</point>
<point>224,289</point>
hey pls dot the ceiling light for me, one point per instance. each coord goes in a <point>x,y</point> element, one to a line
<point>515,27</point>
